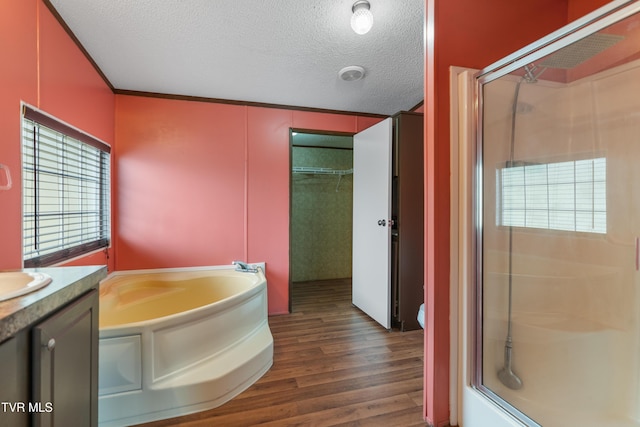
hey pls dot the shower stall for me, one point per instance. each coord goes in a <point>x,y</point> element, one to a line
<point>553,285</point>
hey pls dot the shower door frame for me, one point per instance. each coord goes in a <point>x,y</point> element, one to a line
<point>484,405</point>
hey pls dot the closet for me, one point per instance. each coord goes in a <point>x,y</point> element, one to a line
<point>321,206</point>
<point>388,221</point>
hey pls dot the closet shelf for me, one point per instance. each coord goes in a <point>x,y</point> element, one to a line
<point>321,171</point>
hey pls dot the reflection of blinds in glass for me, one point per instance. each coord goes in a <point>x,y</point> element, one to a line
<point>568,196</point>
<point>65,196</point>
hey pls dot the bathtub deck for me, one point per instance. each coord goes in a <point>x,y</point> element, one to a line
<point>332,365</point>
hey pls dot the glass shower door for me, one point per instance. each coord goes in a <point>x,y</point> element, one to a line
<point>558,220</point>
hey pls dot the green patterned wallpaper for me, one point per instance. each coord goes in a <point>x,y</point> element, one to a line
<point>321,215</point>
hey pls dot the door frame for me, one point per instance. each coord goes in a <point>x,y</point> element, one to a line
<point>311,131</point>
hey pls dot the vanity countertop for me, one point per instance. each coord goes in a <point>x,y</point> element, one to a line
<point>67,284</point>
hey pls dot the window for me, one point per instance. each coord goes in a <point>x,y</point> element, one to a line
<point>557,196</point>
<point>66,194</point>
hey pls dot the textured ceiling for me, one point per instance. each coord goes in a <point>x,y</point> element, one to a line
<point>285,52</point>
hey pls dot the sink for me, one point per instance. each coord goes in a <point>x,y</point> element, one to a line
<point>15,283</point>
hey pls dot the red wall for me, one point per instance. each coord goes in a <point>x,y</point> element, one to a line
<point>579,8</point>
<point>18,77</point>
<point>204,184</point>
<point>45,69</point>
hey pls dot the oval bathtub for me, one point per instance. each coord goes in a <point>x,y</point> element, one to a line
<point>178,341</point>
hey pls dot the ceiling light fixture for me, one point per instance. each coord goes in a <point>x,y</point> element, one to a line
<point>362,19</point>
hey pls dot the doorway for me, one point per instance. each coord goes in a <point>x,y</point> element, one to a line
<point>321,206</point>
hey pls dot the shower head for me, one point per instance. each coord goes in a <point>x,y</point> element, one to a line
<point>576,53</point>
<point>531,73</point>
<point>571,56</point>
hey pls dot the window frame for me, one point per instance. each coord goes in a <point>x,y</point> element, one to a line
<point>96,184</point>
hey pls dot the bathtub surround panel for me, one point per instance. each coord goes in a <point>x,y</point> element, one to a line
<point>193,359</point>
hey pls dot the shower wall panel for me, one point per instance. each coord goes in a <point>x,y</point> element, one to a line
<point>574,293</point>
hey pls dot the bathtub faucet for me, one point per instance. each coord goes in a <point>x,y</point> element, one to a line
<point>244,267</point>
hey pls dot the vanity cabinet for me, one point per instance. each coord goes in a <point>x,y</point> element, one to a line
<point>49,352</point>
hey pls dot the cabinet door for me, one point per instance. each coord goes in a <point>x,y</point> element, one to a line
<point>371,215</point>
<point>14,385</point>
<point>65,365</point>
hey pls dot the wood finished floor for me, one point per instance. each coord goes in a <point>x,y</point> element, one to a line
<point>333,366</point>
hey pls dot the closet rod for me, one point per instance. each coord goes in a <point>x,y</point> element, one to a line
<point>321,171</point>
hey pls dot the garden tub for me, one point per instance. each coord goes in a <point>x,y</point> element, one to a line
<point>178,341</point>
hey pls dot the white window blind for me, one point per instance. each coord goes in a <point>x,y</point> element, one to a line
<point>569,196</point>
<point>65,191</point>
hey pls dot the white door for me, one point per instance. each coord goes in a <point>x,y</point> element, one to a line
<point>371,213</point>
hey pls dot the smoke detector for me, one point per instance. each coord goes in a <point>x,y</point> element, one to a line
<point>351,73</point>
